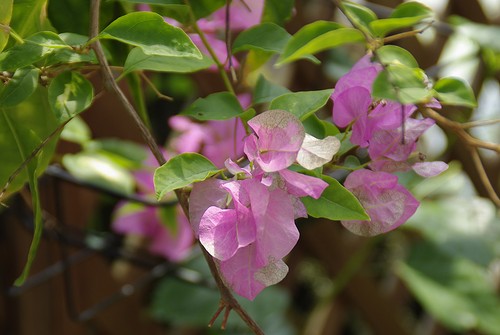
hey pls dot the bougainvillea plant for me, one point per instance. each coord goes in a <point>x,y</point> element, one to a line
<point>244,162</point>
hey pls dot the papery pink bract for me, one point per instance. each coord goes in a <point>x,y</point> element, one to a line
<point>388,143</point>
<point>204,195</point>
<point>279,138</point>
<point>301,185</point>
<point>388,203</point>
<point>429,169</point>
<point>241,15</point>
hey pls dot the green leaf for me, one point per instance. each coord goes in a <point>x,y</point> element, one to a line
<point>267,37</point>
<point>392,54</point>
<point>216,106</point>
<point>20,87</point>
<point>98,169</point>
<point>455,91</point>
<point>76,131</point>
<point>126,153</point>
<point>69,94</point>
<point>137,60</point>
<point>23,127</point>
<point>265,91</point>
<point>316,37</point>
<point>5,16</point>
<point>484,35</point>
<point>69,56</point>
<point>360,14</point>
<point>29,17</point>
<point>405,15</point>
<point>336,203</point>
<point>152,34</point>
<point>455,291</point>
<point>401,83</point>
<point>182,170</point>
<point>277,11</point>
<point>35,48</point>
<point>302,104</point>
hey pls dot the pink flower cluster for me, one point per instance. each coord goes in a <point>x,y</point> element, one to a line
<point>390,135</point>
<point>248,224</point>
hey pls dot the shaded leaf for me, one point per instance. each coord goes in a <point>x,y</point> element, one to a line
<point>20,87</point>
<point>277,11</point>
<point>265,91</point>
<point>405,15</point>
<point>216,106</point>
<point>267,37</point>
<point>302,104</point>
<point>5,16</point>
<point>182,170</point>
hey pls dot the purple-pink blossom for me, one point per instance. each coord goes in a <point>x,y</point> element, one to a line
<point>388,203</point>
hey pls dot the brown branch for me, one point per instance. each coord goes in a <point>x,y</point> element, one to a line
<point>472,144</point>
<point>227,299</point>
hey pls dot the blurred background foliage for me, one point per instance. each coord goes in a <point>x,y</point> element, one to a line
<point>437,274</point>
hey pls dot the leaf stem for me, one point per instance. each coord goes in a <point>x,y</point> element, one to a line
<point>12,33</point>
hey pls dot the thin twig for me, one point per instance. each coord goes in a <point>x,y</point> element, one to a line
<point>407,34</point>
<point>153,87</point>
<point>227,299</point>
<point>472,144</point>
<point>479,123</point>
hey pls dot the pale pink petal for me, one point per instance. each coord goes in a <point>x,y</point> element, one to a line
<point>302,185</point>
<point>280,136</point>
<point>429,169</point>
<point>218,46</point>
<point>130,218</point>
<point>239,272</point>
<point>350,105</point>
<point>388,204</point>
<point>235,169</point>
<point>388,143</point>
<point>314,152</point>
<point>241,16</point>
<point>224,139</point>
<point>387,115</point>
<point>203,195</point>
<point>218,232</point>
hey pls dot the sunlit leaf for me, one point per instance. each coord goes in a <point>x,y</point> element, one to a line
<point>336,203</point>
<point>182,170</point>
<point>316,37</point>
<point>405,15</point>
<point>392,54</point>
<point>137,60</point>
<point>152,34</point>
<point>69,94</point>
<point>5,16</point>
<point>455,91</point>
<point>401,83</point>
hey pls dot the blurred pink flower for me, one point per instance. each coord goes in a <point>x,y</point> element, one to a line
<point>388,203</point>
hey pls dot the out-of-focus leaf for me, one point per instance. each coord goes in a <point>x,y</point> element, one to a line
<point>216,106</point>
<point>5,16</point>
<point>26,124</point>
<point>316,37</point>
<point>301,104</point>
<point>405,15</point>
<point>100,170</point>
<point>152,34</point>
<point>20,87</point>
<point>457,292</point>
<point>455,91</point>
<point>484,35</point>
<point>29,17</point>
<point>69,94</point>
<point>137,60</point>
<point>182,170</point>
<point>129,154</point>
<point>277,11</point>
<point>76,131</point>
<point>267,37</point>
